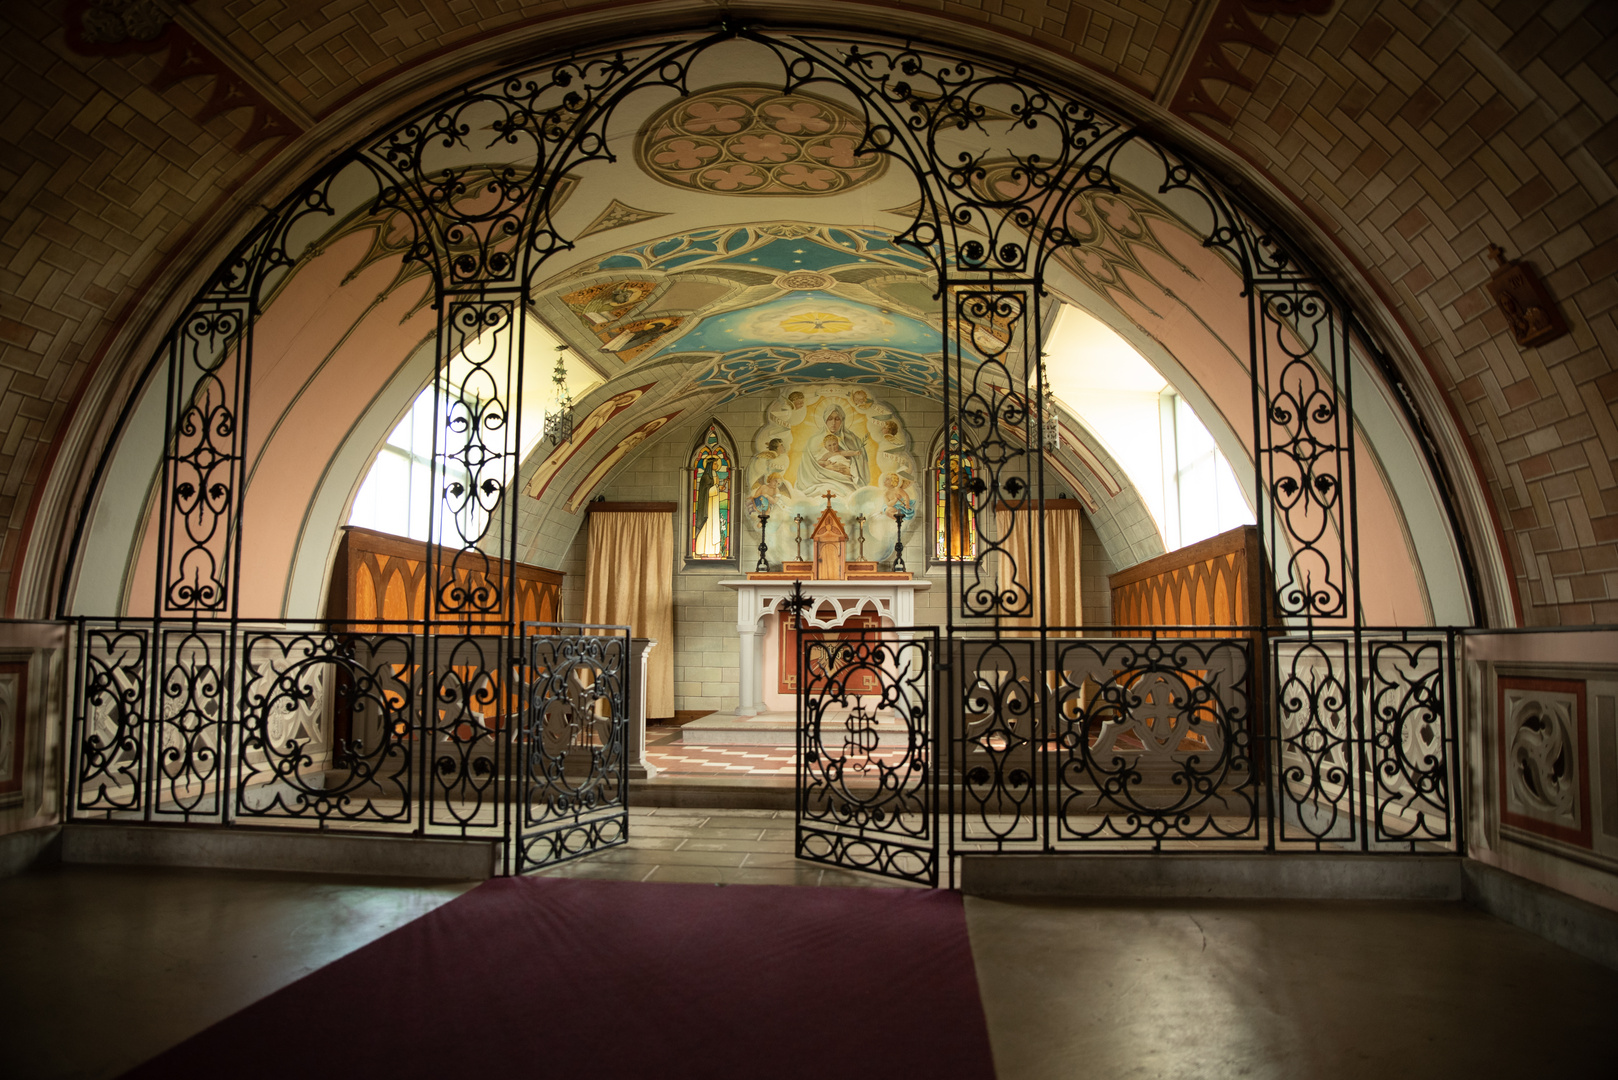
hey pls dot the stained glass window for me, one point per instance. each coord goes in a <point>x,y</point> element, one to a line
<point>710,499</point>
<point>955,532</point>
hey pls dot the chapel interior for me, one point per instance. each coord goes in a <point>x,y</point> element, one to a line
<point>734,502</point>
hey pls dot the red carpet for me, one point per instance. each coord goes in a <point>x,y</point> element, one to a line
<point>572,978</point>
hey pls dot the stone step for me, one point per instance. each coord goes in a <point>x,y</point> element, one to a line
<point>767,729</point>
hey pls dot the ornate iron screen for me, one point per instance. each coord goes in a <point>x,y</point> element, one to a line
<point>203,713</point>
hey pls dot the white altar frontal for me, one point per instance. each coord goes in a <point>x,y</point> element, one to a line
<point>757,600</point>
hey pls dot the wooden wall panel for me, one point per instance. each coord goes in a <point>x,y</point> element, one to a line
<point>1215,582</point>
<point>382,579</point>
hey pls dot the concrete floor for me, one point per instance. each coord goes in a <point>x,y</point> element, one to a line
<point>102,967</point>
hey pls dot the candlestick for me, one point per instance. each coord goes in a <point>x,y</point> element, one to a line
<point>898,540</point>
<point>763,566</point>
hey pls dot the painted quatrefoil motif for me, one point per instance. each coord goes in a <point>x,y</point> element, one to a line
<point>756,141</point>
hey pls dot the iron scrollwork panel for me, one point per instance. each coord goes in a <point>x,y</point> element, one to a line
<point>991,381</point>
<point>1151,741</point>
<point>475,453</point>
<point>468,703</point>
<point>326,727</point>
<point>998,735</point>
<point>1316,741</point>
<point>112,727</point>
<point>1411,735</point>
<point>208,360</point>
<point>192,730</point>
<point>867,775</point>
<point>1305,438</point>
<point>572,746</point>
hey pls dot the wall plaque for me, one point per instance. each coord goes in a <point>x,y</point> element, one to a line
<point>1529,310</point>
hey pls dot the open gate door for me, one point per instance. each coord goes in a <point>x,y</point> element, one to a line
<point>868,761</point>
<point>571,775</point>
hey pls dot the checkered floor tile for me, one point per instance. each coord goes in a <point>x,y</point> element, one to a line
<point>675,758</point>
<point>671,757</point>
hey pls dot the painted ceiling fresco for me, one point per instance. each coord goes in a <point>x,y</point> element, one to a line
<point>754,140</point>
<point>715,314</point>
<point>772,246</point>
<point>749,308</point>
<point>812,319</point>
<point>746,370</point>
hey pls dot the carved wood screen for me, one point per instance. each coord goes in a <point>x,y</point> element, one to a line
<point>380,578</point>
<point>1215,582</point>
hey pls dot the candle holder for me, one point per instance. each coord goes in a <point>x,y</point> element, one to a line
<point>898,541</point>
<point>859,523</point>
<point>797,534</point>
<point>763,566</point>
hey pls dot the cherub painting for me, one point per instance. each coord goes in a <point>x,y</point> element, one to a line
<point>767,490</point>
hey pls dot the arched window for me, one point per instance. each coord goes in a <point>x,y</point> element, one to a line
<point>396,495</point>
<point>711,481</point>
<point>955,532</point>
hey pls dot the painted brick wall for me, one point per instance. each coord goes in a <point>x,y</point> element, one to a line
<point>1422,134</point>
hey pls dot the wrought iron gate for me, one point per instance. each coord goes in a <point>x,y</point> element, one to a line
<point>572,773</point>
<point>868,752</point>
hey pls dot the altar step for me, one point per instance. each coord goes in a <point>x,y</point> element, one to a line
<point>766,729</point>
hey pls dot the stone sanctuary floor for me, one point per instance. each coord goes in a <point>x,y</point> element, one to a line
<point>102,967</point>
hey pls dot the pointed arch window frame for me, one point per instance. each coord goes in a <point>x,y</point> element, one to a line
<point>724,447</point>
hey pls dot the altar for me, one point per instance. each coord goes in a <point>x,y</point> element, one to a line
<point>757,600</point>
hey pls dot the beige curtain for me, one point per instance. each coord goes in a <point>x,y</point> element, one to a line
<point>1063,533</point>
<point>630,580</point>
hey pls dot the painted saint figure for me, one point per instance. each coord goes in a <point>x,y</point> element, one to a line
<point>710,500</point>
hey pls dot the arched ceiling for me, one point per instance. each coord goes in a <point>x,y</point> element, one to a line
<point>742,308</point>
<point>727,243</point>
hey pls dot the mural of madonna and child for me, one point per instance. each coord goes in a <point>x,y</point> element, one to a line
<point>831,439</point>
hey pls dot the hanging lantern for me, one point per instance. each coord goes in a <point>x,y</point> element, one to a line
<point>1050,430</point>
<point>559,417</point>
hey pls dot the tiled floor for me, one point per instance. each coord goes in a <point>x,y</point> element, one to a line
<point>675,758</point>
<point>671,757</point>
